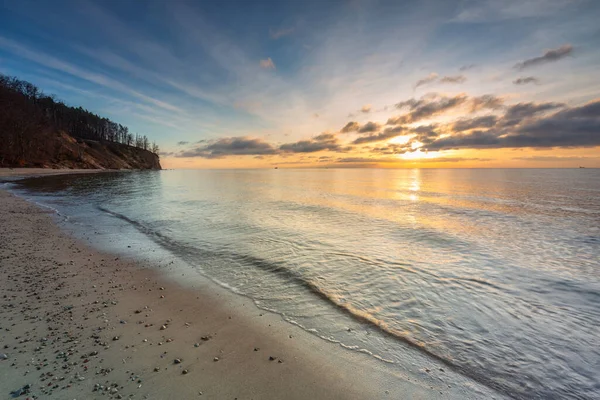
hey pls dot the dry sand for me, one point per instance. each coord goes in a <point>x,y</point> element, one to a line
<point>79,324</point>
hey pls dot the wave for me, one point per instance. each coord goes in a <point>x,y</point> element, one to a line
<point>317,290</point>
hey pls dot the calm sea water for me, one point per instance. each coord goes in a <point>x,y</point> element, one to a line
<point>494,273</point>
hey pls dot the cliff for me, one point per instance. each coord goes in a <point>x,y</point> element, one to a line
<point>64,151</point>
<point>37,130</point>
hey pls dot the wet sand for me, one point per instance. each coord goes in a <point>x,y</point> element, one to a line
<point>79,324</point>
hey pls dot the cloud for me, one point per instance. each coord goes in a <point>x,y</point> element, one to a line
<point>492,10</point>
<point>369,127</point>
<point>375,160</point>
<point>386,134</point>
<point>351,126</point>
<point>279,33</point>
<point>428,79</point>
<point>73,70</point>
<point>487,121</point>
<point>487,101</point>
<point>267,64</point>
<point>366,109</point>
<point>554,158</point>
<point>232,146</point>
<point>525,80</point>
<point>518,112</point>
<point>549,56</point>
<point>433,77</point>
<point>466,67</point>
<point>324,141</point>
<point>426,107</point>
<point>568,128</point>
<point>366,160</point>
<point>182,143</point>
<point>453,79</point>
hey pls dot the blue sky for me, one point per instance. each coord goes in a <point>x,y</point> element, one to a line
<point>285,72</point>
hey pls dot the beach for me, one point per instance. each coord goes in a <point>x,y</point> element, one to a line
<point>77,323</point>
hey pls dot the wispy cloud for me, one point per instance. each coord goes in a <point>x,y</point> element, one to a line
<point>453,79</point>
<point>432,77</point>
<point>548,57</point>
<point>279,33</point>
<point>525,80</point>
<point>99,79</point>
<point>267,63</point>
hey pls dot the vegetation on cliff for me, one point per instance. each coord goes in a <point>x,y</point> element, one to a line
<point>37,130</point>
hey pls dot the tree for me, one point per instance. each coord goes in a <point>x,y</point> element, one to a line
<point>27,115</point>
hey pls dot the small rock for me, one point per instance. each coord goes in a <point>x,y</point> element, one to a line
<point>177,361</point>
<point>216,359</point>
<point>184,372</point>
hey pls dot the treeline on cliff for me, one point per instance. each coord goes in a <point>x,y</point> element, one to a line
<point>33,123</point>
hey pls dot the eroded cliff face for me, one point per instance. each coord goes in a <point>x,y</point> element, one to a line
<point>64,151</point>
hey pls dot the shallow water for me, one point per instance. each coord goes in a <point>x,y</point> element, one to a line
<point>495,273</point>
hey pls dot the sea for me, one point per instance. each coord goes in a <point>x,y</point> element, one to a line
<point>493,273</point>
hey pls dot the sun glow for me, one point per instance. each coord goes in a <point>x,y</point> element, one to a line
<point>418,155</point>
<point>400,139</point>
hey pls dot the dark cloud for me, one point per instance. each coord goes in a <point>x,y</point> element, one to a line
<point>426,107</point>
<point>571,127</point>
<point>525,80</point>
<point>369,127</point>
<point>425,133</point>
<point>518,112</point>
<point>182,143</point>
<point>351,126</point>
<point>453,79</point>
<point>166,153</point>
<point>547,57</point>
<point>324,141</point>
<point>377,137</point>
<point>233,146</point>
<point>487,121</point>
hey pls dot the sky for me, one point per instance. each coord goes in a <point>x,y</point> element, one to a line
<point>349,83</point>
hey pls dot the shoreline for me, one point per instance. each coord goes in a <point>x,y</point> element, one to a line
<point>32,172</point>
<point>100,321</point>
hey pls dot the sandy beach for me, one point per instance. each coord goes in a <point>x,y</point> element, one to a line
<point>79,324</point>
